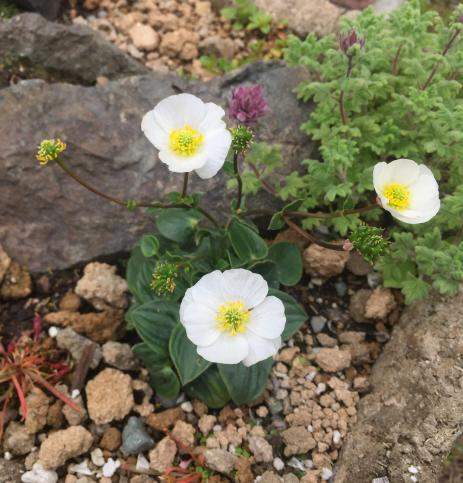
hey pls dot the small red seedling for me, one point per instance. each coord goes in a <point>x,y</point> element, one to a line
<point>29,361</point>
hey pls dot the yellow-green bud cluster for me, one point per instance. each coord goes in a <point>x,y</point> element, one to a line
<point>242,138</point>
<point>163,279</point>
<point>369,241</point>
<point>49,150</point>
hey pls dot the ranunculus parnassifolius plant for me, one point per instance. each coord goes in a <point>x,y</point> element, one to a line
<point>231,318</point>
<point>189,134</point>
<point>407,190</point>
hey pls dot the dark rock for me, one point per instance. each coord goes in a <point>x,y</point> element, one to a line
<point>53,51</point>
<point>49,221</point>
<point>135,439</point>
<point>48,8</point>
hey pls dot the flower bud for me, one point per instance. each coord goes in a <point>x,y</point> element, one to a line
<point>248,105</point>
<point>163,279</point>
<point>241,138</point>
<point>49,150</point>
<point>369,242</point>
<point>348,40</point>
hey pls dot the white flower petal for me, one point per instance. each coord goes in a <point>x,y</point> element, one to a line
<point>402,171</point>
<point>199,321</point>
<point>179,110</point>
<point>245,286</point>
<point>261,349</point>
<point>213,119</point>
<point>379,176</point>
<point>207,291</point>
<point>414,217</point>
<point>227,349</point>
<point>216,146</point>
<point>268,318</point>
<point>182,164</point>
<point>154,131</point>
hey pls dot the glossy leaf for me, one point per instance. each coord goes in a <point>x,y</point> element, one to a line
<point>149,246</point>
<point>288,260</point>
<point>294,312</point>
<point>209,388</point>
<point>246,243</point>
<point>178,224</point>
<point>268,270</point>
<point>246,383</point>
<point>183,352</point>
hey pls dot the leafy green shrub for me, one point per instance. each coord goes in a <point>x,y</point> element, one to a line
<point>389,88</point>
<point>245,15</point>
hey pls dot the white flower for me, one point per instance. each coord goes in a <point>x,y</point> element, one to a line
<point>230,318</point>
<point>407,190</point>
<point>189,134</point>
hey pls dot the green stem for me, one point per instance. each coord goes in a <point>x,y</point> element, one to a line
<point>342,109</point>
<point>239,180</point>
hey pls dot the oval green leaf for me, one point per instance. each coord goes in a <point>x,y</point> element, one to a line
<point>149,246</point>
<point>178,224</point>
<point>209,388</point>
<point>288,261</point>
<point>246,243</point>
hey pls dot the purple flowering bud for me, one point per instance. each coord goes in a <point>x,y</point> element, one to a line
<point>349,39</point>
<point>248,104</point>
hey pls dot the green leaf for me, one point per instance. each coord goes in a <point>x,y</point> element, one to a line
<point>276,222</point>
<point>149,246</point>
<point>295,314</point>
<point>209,388</point>
<point>162,376</point>
<point>178,224</point>
<point>246,383</point>
<point>268,270</point>
<point>188,362</point>
<point>288,261</point>
<point>154,322</point>
<point>246,243</point>
<point>139,274</point>
<point>415,289</point>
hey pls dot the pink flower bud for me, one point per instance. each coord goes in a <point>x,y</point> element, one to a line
<point>248,104</point>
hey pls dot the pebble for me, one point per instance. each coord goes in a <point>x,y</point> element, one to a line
<point>341,288</point>
<point>39,475</point>
<point>162,456</point>
<point>333,360</point>
<point>187,407</point>
<point>143,465</point>
<point>111,439</point>
<point>119,356</point>
<point>144,37</point>
<point>317,322</point>
<point>110,467</point>
<point>327,473</point>
<point>278,464</point>
<point>75,343</point>
<point>135,439</point>
<point>53,331</point>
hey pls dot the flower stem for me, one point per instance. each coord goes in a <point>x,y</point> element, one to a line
<point>395,62</point>
<point>308,236</point>
<point>239,180</point>
<point>342,108</point>
<point>185,185</point>
<point>265,184</point>
<point>444,53</point>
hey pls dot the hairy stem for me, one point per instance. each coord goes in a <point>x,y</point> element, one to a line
<point>342,109</point>
<point>454,36</point>
<point>395,62</point>
<point>265,184</point>
<point>308,236</point>
<point>236,169</point>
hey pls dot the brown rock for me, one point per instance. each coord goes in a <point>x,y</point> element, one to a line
<point>163,455</point>
<point>326,341</point>
<point>184,433</point>
<point>5,262</point>
<point>70,302</point>
<point>37,410</point>
<point>357,264</point>
<point>189,51</point>
<point>270,477</point>
<point>62,445</point>
<point>324,263</point>
<point>244,472</point>
<point>333,360</point>
<point>100,327</point>
<point>109,396</point>
<point>357,305</point>
<point>172,43</point>
<point>165,419</point>
<point>17,440</point>
<point>17,283</point>
<point>218,46</point>
<point>220,460</point>
<point>55,417</point>
<point>298,440</point>
<point>351,337</point>
<point>380,304</point>
<point>102,287</point>
<point>111,439</point>
<point>199,408</point>
<point>261,449</point>
<point>144,37</point>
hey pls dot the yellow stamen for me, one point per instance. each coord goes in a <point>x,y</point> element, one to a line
<point>233,317</point>
<point>185,141</point>
<point>398,196</point>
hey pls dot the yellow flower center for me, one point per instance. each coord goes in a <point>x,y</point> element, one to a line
<point>398,195</point>
<point>185,141</point>
<point>233,317</point>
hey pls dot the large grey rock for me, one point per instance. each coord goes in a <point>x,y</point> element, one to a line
<point>413,415</point>
<point>71,53</point>
<point>48,220</point>
<point>48,8</point>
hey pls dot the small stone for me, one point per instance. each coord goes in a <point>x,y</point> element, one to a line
<point>142,479</point>
<point>317,322</point>
<point>274,406</point>
<point>262,411</point>
<point>288,354</point>
<point>102,287</point>
<point>111,439</point>
<point>333,360</point>
<point>53,332</point>
<point>357,264</point>
<point>17,439</point>
<point>163,455</point>
<point>327,473</point>
<point>110,467</point>
<point>5,262</point>
<point>62,445</point>
<point>243,470</point>
<point>326,341</point>
<point>184,433</point>
<point>17,282</point>
<point>298,440</point>
<point>199,408</point>
<point>206,423</point>
<point>220,460</point>
<point>324,263</point>
<point>187,407</point>
<point>97,457</point>
<point>37,409</point>
<point>109,396</point>
<point>73,417</point>
<point>165,419</point>
<point>39,475</point>
<point>261,449</point>
<point>135,439</point>
<point>351,337</point>
<point>144,37</point>
<point>341,288</point>
<point>218,46</point>
<point>76,344</point>
<point>70,301</point>
<point>278,464</point>
<point>173,42</point>
<point>357,305</point>
<point>380,304</point>
<point>119,356</point>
